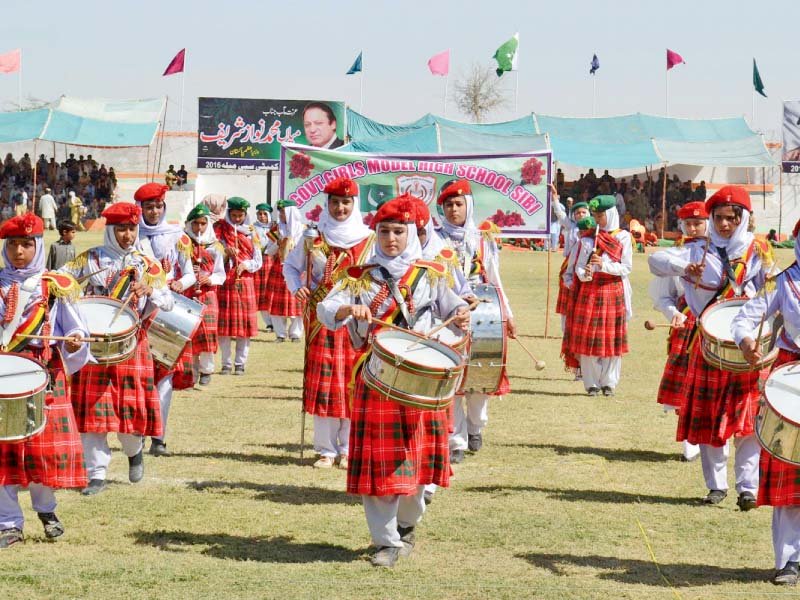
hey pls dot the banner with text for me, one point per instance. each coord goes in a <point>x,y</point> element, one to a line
<point>791,137</point>
<point>246,134</point>
<point>509,189</point>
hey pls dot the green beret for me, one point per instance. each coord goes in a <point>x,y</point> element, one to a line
<point>237,203</point>
<point>602,203</point>
<point>285,203</point>
<point>586,223</point>
<point>578,205</point>
<point>264,206</point>
<point>201,210</point>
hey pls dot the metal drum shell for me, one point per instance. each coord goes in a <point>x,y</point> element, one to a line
<point>171,330</point>
<point>117,347</point>
<point>777,434</point>
<point>23,416</point>
<point>488,346</point>
<point>725,354</point>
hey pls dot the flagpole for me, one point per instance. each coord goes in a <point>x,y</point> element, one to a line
<point>516,93</point>
<point>666,93</point>
<point>183,91</point>
<point>19,82</point>
<point>446,80</point>
<point>753,112</point>
<point>594,95</point>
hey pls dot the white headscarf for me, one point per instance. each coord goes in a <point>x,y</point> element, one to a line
<point>293,228</point>
<point>216,204</point>
<point>207,238</point>
<point>10,274</point>
<point>433,243</point>
<point>112,247</point>
<point>459,232</point>
<point>739,242</point>
<point>343,234</point>
<point>612,220</point>
<point>162,235</point>
<point>398,265</point>
<point>244,226</point>
<point>682,226</point>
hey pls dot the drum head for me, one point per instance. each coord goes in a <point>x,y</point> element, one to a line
<point>98,315</point>
<point>782,390</point>
<point>428,353</point>
<point>717,320</point>
<point>20,375</point>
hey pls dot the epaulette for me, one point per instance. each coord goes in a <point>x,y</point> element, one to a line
<point>79,262</point>
<point>448,258</point>
<point>764,251</point>
<point>489,230</point>
<point>184,246</point>
<point>356,279</point>
<point>431,265</point>
<point>62,285</point>
<point>154,274</point>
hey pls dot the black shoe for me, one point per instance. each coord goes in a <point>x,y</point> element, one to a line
<point>593,391</point>
<point>715,496</point>
<point>158,448</point>
<point>607,390</point>
<point>408,538</point>
<point>787,575</point>
<point>52,526</point>
<point>386,556</point>
<point>456,456</point>
<point>9,537</point>
<point>269,329</point>
<point>95,487</point>
<point>205,378</point>
<point>238,370</point>
<point>427,496</point>
<point>475,441</point>
<point>280,340</point>
<point>746,501</point>
<point>225,371</point>
<point>136,467</point>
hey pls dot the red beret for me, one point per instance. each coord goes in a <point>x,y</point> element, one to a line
<point>693,210</point>
<point>122,213</point>
<point>342,186</point>
<point>151,191</point>
<point>422,214</point>
<point>27,225</point>
<point>729,194</point>
<point>459,187</point>
<point>796,229</point>
<point>398,210</point>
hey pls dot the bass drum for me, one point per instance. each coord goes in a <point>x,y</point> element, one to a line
<point>778,420</point>
<point>489,342</point>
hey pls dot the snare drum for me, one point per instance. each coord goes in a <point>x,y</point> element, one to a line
<point>412,370</point>
<point>719,349</point>
<point>489,346</point>
<point>778,420</point>
<point>23,382</point>
<point>171,330</point>
<point>118,338</point>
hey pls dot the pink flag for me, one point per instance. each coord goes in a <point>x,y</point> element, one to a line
<point>11,61</point>
<point>176,64</point>
<point>439,64</point>
<point>673,58</point>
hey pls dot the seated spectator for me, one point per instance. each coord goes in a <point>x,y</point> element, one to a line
<point>170,177</point>
<point>183,176</point>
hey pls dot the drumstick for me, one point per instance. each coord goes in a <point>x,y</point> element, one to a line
<point>758,337</point>
<point>392,326</point>
<point>540,364</point>
<point>705,253</point>
<point>59,338</point>
<point>120,309</point>
<point>650,326</point>
<point>85,278</point>
<point>444,324</point>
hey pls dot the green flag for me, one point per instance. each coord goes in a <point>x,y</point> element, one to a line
<point>757,83</point>
<point>506,56</point>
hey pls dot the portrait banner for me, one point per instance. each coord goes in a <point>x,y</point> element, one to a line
<point>790,158</point>
<point>511,190</point>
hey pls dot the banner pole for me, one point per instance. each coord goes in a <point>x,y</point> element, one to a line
<point>664,202</point>
<point>764,186</point>
<point>780,199</point>
<point>35,177</point>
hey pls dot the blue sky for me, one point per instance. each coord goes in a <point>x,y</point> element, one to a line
<point>302,50</point>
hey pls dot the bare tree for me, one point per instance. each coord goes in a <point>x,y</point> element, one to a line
<point>478,93</point>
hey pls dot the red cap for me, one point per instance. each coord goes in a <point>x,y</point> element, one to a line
<point>27,225</point>
<point>122,213</point>
<point>151,191</point>
<point>796,229</point>
<point>422,214</point>
<point>399,210</point>
<point>693,210</point>
<point>459,187</point>
<point>342,186</point>
<point>729,194</point>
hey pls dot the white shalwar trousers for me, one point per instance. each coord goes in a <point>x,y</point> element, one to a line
<point>386,513</point>
<point>242,350</point>
<point>267,318</point>
<point>204,362</point>
<point>470,421</point>
<point>331,436</point>
<point>715,465</point>
<point>690,451</point>
<point>98,454</point>
<point>600,371</point>
<point>786,534</point>
<point>164,388</point>
<point>295,327</point>
<point>43,499</point>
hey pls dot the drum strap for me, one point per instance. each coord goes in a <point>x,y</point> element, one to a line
<point>30,285</point>
<point>728,270</point>
<point>398,297</point>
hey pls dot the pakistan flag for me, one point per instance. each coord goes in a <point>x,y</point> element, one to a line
<point>506,56</point>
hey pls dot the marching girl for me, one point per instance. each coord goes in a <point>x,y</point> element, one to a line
<point>209,270</point>
<point>385,434</point>
<point>33,301</point>
<point>281,304</point>
<point>720,404</point>
<point>668,297</point>
<point>778,480</point>
<point>596,329</point>
<point>266,231</point>
<point>343,241</point>
<point>169,245</point>
<point>119,398</point>
<point>479,261</point>
<point>238,316</point>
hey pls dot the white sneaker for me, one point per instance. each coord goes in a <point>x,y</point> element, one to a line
<point>324,462</point>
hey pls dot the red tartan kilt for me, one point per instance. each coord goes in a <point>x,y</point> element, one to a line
<point>119,398</point>
<point>718,404</point>
<point>329,363</point>
<point>394,448</point>
<point>563,291</point>
<point>779,481</point>
<point>237,315</point>
<point>280,302</point>
<point>261,282</point>
<point>570,360</point>
<point>182,371</point>
<point>54,457</point>
<point>596,324</point>
<point>205,338</point>
<point>672,380</point>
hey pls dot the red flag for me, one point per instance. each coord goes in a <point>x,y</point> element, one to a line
<point>673,59</point>
<point>439,64</point>
<point>176,64</point>
<point>10,61</point>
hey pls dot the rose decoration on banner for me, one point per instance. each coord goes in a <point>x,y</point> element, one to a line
<point>532,172</point>
<point>314,213</point>
<point>300,166</point>
<point>509,219</point>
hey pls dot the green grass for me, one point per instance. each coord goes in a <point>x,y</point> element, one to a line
<point>571,497</point>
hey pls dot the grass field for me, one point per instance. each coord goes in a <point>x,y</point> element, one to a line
<point>571,497</point>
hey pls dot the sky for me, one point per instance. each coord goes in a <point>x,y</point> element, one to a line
<point>302,50</point>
